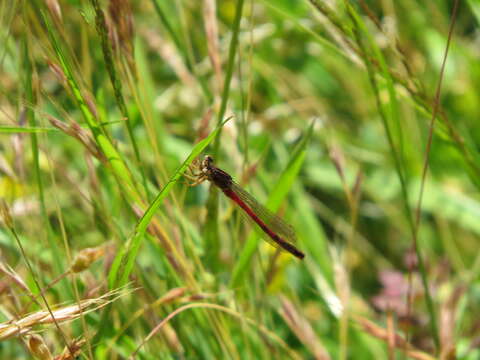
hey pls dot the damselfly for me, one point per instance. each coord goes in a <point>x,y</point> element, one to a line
<point>278,232</point>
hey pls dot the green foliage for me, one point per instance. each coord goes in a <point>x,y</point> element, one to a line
<point>106,105</point>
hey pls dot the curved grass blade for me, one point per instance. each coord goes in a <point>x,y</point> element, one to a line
<point>123,264</point>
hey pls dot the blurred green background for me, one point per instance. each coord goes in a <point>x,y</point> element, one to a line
<point>104,105</point>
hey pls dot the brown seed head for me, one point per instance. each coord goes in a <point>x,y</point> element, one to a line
<point>38,348</point>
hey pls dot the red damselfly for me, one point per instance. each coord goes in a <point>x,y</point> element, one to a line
<point>278,232</point>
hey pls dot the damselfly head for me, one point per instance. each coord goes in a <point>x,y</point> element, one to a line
<point>207,164</point>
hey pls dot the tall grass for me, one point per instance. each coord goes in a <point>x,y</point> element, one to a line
<point>336,110</point>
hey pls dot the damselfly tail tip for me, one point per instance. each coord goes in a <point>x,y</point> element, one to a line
<point>293,250</point>
<point>299,254</point>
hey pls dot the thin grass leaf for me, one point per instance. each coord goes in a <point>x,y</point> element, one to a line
<point>114,158</point>
<point>116,84</point>
<point>393,117</point>
<point>278,194</point>
<point>311,231</point>
<point>211,225</point>
<point>32,121</point>
<point>124,261</point>
<point>24,130</point>
<point>185,52</point>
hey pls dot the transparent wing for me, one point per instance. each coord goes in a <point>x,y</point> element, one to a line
<point>274,222</point>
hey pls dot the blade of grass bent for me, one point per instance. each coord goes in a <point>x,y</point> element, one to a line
<point>274,201</point>
<point>124,262</point>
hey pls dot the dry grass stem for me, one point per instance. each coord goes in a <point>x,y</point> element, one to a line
<point>26,324</point>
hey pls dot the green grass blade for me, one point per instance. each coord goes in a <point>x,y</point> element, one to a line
<point>24,130</point>
<point>388,116</point>
<point>114,158</point>
<point>117,86</point>
<point>33,130</point>
<point>124,262</point>
<point>211,225</point>
<point>278,194</point>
